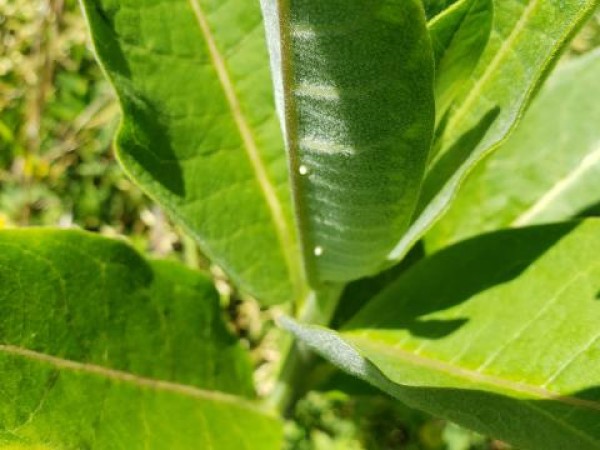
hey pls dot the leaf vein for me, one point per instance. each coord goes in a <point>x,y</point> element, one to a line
<point>125,377</point>
<point>483,378</point>
<point>589,162</point>
<point>284,233</point>
<point>491,69</point>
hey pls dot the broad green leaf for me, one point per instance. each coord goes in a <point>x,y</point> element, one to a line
<point>353,82</point>
<point>358,292</point>
<point>526,39</point>
<point>459,36</point>
<point>549,170</point>
<point>101,349</point>
<point>199,131</point>
<point>499,333</point>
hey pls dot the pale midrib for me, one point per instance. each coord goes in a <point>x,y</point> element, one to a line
<point>118,375</point>
<point>492,67</point>
<point>291,126</point>
<point>446,12</point>
<point>477,377</point>
<point>589,162</point>
<point>284,234</point>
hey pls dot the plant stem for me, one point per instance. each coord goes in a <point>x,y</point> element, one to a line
<point>317,309</point>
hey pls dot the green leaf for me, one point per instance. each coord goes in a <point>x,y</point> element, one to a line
<point>498,333</point>
<point>525,42</point>
<point>357,293</point>
<point>199,131</point>
<point>549,170</point>
<point>435,7</point>
<point>459,36</point>
<point>353,83</point>
<point>101,349</point>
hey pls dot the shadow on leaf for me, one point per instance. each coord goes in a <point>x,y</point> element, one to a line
<point>417,299</point>
<point>448,163</point>
<point>145,132</point>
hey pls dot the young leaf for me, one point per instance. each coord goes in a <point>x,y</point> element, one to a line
<point>504,340</point>
<point>525,41</point>
<point>199,131</point>
<point>459,36</point>
<point>101,349</point>
<point>549,170</point>
<point>354,89</point>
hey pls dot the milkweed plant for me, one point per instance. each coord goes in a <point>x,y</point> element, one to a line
<point>408,184</point>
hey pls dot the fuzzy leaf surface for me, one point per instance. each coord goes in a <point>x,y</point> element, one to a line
<point>525,42</point>
<point>199,131</point>
<point>101,349</point>
<point>354,89</point>
<point>549,170</point>
<point>498,333</point>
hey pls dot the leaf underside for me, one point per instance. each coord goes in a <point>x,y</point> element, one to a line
<point>354,87</point>
<point>101,349</point>
<point>504,341</point>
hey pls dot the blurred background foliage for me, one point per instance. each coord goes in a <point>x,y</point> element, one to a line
<point>57,120</point>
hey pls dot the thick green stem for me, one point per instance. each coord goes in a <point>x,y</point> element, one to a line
<point>317,309</point>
